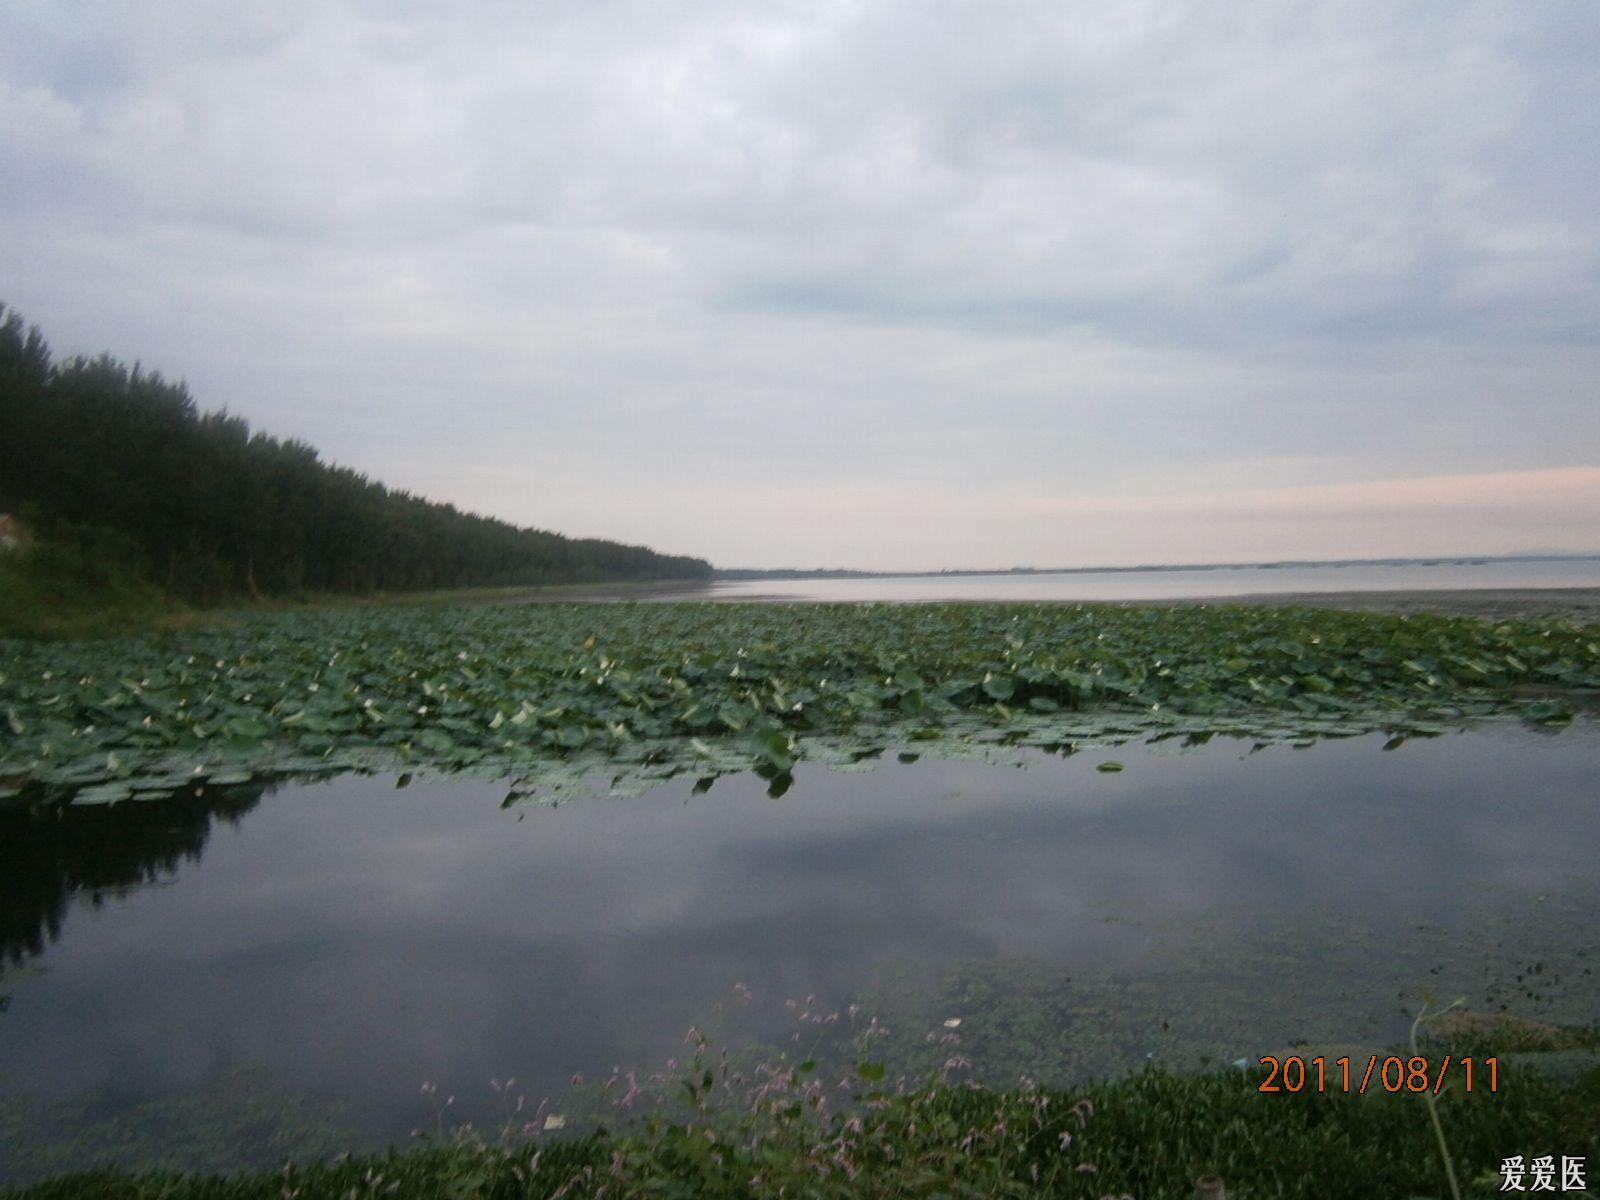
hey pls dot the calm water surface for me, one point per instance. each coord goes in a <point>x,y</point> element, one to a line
<point>347,940</point>
<point>1176,585</point>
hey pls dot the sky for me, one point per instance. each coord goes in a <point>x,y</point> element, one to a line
<point>875,285</point>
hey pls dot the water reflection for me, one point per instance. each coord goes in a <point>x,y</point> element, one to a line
<point>54,856</point>
<point>363,939</point>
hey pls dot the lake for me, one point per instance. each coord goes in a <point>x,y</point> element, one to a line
<point>1177,584</point>
<point>279,970</point>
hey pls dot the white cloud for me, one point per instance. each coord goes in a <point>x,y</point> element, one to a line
<point>555,262</point>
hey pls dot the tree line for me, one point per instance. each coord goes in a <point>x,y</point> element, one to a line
<point>210,509</point>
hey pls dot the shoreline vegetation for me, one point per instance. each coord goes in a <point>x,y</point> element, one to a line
<point>721,1127</point>
<point>84,588</point>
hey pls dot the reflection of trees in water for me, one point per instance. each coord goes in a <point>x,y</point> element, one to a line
<point>52,854</point>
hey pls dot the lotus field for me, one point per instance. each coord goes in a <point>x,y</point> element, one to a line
<point>550,695</point>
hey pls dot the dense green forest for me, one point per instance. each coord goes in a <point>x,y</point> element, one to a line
<point>206,509</point>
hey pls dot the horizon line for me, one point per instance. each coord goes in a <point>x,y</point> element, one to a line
<point>1388,560</point>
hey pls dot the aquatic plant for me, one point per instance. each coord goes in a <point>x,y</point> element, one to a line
<point>644,691</point>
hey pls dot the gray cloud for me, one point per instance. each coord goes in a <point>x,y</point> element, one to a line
<point>554,262</point>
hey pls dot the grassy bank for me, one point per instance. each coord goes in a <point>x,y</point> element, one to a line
<point>83,589</point>
<point>1148,1136</point>
<point>87,589</point>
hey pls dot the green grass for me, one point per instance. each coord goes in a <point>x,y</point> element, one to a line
<point>64,591</point>
<point>70,591</point>
<point>1149,1136</point>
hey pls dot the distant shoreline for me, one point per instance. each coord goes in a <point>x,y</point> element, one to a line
<point>1581,604</point>
<point>734,575</point>
<point>1574,604</point>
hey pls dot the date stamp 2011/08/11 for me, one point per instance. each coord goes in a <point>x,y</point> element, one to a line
<point>1417,1074</point>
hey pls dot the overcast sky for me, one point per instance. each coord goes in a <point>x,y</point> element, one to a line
<point>853,284</point>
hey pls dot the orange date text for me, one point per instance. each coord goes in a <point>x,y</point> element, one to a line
<point>1394,1074</point>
